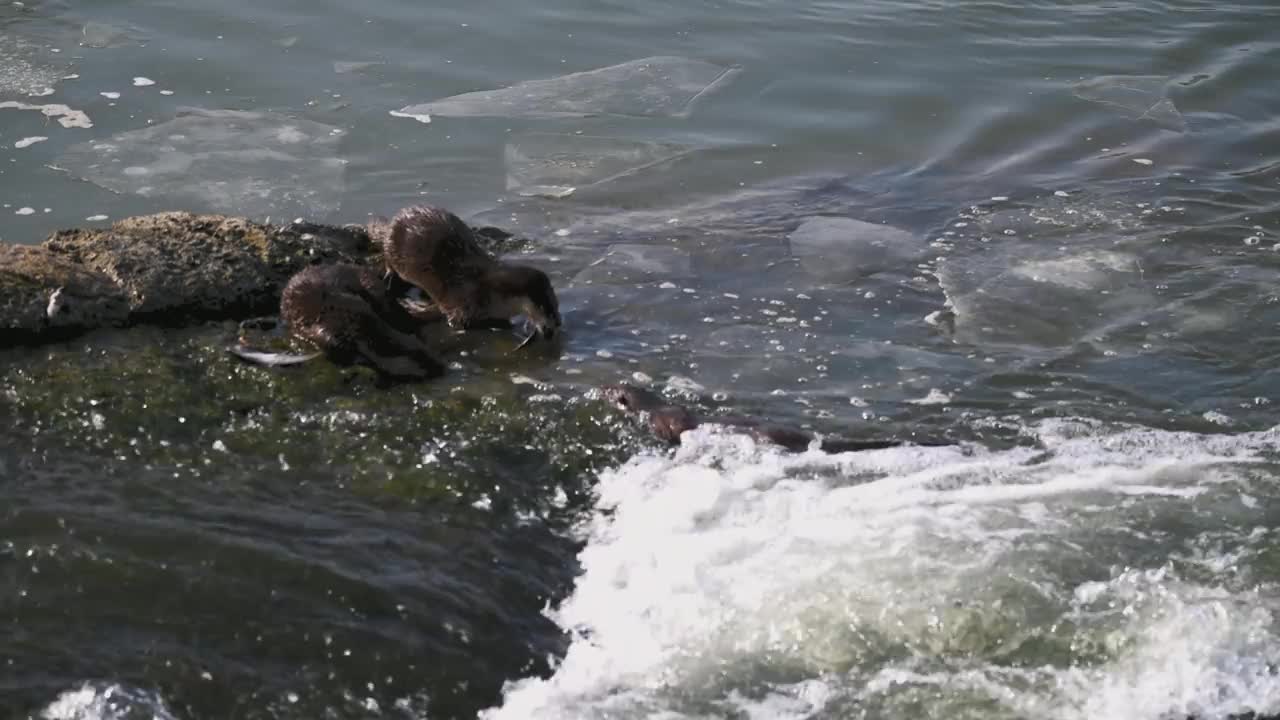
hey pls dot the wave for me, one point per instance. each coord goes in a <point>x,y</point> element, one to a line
<point>1104,572</point>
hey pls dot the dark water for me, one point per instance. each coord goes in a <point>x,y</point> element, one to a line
<point>1046,236</point>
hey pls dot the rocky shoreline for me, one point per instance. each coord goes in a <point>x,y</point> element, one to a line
<point>170,269</point>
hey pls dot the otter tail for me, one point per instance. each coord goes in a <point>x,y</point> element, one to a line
<point>841,445</point>
<point>271,359</point>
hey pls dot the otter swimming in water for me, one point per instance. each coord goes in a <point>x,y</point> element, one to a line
<point>346,311</point>
<point>667,421</point>
<point>434,250</point>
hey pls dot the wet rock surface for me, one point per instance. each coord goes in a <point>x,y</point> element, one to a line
<point>171,269</point>
<point>30,275</point>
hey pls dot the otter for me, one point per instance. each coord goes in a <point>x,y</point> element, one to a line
<point>346,312</point>
<point>434,250</point>
<point>667,421</point>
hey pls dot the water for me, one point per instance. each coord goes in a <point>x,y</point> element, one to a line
<point>1043,236</point>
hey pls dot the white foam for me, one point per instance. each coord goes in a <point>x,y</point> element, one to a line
<point>735,579</point>
<point>106,702</point>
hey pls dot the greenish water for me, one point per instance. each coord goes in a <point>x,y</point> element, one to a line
<point>1042,234</point>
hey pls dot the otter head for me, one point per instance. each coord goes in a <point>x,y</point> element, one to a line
<point>631,399</point>
<point>527,290</point>
<point>666,422</point>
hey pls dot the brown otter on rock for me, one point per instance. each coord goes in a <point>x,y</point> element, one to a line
<point>433,249</point>
<point>346,311</point>
<point>667,421</point>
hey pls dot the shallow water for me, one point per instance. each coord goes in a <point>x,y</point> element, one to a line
<point>1044,238</point>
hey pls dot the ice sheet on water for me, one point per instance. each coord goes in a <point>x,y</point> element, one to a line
<point>1052,271</point>
<point>67,117</point>
<point>346,67</point>
<point>554,165</point>
<point>648,87</point>
<point>22,73</point>
<point>244,163</point>
<point>1019,293</point>
<point>635,262</point>
<point>106,35</point>
<point>1141,97</point>
<point>840,248</point>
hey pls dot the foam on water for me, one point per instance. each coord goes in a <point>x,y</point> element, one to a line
<point>103,701</point>
<point>936,582</point>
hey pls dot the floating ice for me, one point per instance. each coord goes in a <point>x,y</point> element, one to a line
<point>143,82</point>
<point>1027,295</point>
<point>110,95</point>
<point>29,141</point>
<point>841,249</point>
<point>343,67</point>
<point>103,35</point>
<point>633,262</point>
<point>423,118</point>
<point>20,71</point>
<point>25,211</point>
<point>649,87</point>
<point>245,163</point>
<point>1141,97</point>
<point>554,165</point>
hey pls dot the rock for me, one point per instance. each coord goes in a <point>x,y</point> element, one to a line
<point>176,266</point>
<point>30,277</point>
<point>171,269</point>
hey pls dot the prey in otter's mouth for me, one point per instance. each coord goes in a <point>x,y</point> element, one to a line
<point>434,250</point>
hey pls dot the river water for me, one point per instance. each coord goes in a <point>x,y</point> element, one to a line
<point>1041,238</point>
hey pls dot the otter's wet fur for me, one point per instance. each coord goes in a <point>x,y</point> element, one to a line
<point>667,421</point>
<point>346,312</point>
<point>433,249</point>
